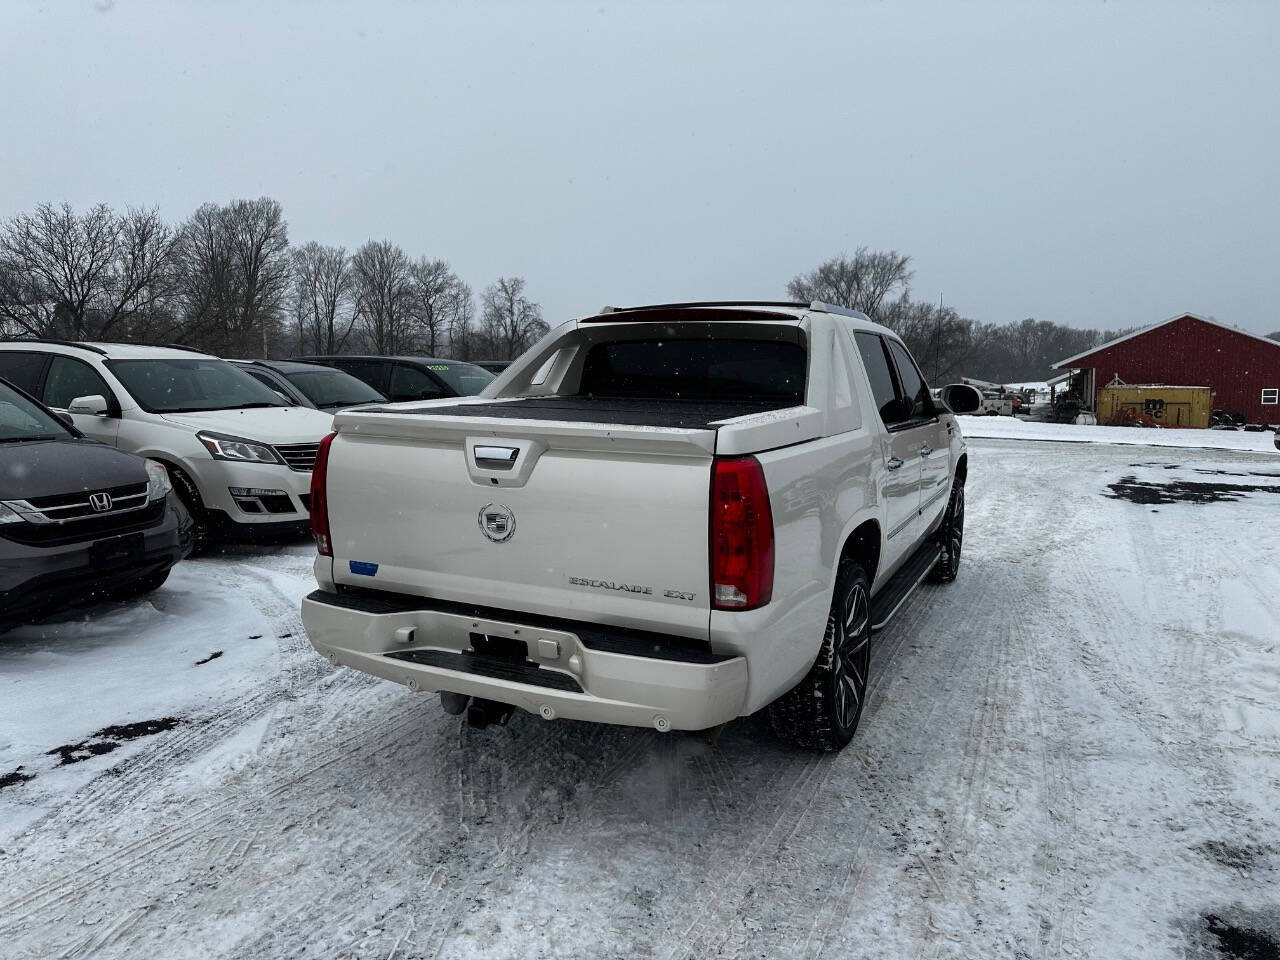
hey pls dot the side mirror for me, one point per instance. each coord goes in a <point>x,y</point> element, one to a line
<point>961,398</point>
<point>91,406</point>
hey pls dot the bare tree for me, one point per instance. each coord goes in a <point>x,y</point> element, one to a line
<point>462,317</point>
<point>322,288</point>
<point>83,276</point>
<point>437,296</point>
<point>509,321</point>
<point>233,275</point>
<point>383,296</point>
<point>863,282</point>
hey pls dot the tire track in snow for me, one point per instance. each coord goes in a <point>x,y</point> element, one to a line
<point>112,872</point>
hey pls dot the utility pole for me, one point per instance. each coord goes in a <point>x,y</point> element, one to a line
<point>937,341</point>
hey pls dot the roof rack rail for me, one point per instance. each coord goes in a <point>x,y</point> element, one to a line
<point>703,303</point>
<point>819,307</point>
<point>92,348</point>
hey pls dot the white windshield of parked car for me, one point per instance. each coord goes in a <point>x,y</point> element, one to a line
<point>333,388</point>
<point>20,419</point>
<point>465,379</point>
<point>180,385</point>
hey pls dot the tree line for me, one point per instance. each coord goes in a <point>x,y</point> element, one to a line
<point>946,344</point>
<point>227,280</point>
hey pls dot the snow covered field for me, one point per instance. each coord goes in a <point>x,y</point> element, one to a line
<point>1073,751</point>
<point>1011,428</point>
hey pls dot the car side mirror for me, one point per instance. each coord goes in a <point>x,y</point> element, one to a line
<point>961,398</point>
<point>94,405</point>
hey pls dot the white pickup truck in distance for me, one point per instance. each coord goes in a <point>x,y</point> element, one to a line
<point>664,516</point>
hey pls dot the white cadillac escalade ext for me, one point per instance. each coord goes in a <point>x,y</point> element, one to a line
<point>664,516</point>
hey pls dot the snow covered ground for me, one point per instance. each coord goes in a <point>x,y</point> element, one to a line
<point>1011,428</point>
<point>1073,751</point>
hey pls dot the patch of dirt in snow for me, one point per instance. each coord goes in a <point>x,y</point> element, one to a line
<point>1237,934</point>
<point>1238,856</point>
<point>14,777</point>
<point>1183,491</point>
<point>109,738</point>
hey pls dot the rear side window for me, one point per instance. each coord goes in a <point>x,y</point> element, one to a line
<point>883,388</point>
<point>23,370</point>
<point>769,370</point>
<point>69,379</point>
<point>914,390</point>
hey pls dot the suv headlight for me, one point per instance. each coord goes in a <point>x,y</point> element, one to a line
<point>158,482</point>
<point>234,448</point>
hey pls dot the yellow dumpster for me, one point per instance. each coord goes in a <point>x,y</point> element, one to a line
<point>1120,404</point>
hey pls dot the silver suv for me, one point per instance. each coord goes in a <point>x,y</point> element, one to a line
<point>240,455</point>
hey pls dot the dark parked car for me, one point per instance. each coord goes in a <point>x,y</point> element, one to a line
<point>79,521</point>
<point>494,366</point>
<point>413,378</point>
<point>311,384</point>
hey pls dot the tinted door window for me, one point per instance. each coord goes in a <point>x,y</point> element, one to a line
<point>883,386</point>
<point>410,383</point>
<point>372,372</point>
<point>23,370</point>
<point>69,379</point>
<point>914,390</point>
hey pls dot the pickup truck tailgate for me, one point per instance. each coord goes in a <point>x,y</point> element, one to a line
<point>590,522</point>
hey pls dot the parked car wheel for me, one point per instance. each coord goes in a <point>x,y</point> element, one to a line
<point>822,711</point>
<point>950,538</point>
<point>190,498</point>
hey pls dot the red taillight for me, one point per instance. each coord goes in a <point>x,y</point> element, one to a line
<point>741,535</point>
<point>320,498</point>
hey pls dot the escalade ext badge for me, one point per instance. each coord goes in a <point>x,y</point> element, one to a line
<point>497,522</point>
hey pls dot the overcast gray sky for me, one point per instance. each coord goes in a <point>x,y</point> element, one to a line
<point>1097,164</point>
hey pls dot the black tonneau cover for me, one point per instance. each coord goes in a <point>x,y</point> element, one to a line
<point>689,414</point>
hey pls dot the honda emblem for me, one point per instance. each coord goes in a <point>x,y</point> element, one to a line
<point>100,502</point>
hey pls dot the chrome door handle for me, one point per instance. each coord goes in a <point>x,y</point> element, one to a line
<point>894,463</point>
<point>925,450</point>
<point>496,458</point>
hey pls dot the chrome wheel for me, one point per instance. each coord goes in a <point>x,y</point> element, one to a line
<point>951,538</point>
<point>852,656</point>
<point>955,533</point>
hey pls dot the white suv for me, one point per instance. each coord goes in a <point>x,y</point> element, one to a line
<point>239,454</point>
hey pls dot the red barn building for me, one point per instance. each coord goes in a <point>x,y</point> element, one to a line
<point>1242,369</point>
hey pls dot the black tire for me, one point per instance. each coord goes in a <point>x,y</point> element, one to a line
<point>186,490</point>
<point>950,537</point>
<point>142,586</point>
<point>822,711</point>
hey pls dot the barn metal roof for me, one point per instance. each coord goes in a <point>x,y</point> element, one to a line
<point>1145,330</point>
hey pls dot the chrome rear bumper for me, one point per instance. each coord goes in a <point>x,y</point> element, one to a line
<point>580,674</point>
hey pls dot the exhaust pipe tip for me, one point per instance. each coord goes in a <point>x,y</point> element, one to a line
<point>481,713</point>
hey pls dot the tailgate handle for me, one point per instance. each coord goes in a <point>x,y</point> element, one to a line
<point>496,458</point>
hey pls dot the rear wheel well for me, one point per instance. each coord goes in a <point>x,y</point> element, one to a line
<point>863,547</point>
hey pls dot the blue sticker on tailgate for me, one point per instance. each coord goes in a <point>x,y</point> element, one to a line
<point>363,569</point>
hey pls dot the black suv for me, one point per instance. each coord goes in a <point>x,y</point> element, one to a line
<point>79,521</point>
<point>413,378</point>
